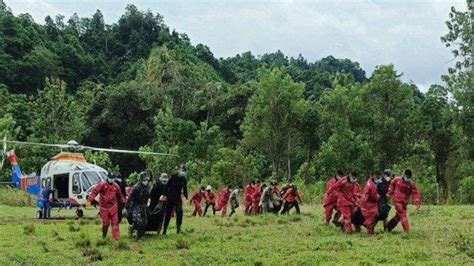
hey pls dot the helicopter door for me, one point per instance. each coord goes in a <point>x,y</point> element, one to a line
<point>61,185</point>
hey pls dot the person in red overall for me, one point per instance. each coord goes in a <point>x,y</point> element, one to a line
<point>401,189</point>
<point>348,194</point>
<point>223,200</point>
<point>330,200</point>
<point>369,202</point>
<point>110,198</point>
<point>248,193</point>
<point>196,199</point>
<point>257,194</point>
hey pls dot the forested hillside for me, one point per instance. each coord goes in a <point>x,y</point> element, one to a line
<point>135,84</point>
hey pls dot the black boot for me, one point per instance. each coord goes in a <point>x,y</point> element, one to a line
<point>104,232</point>
<point>178,229</point>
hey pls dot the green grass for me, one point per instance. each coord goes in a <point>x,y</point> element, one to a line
<point>440,235</point>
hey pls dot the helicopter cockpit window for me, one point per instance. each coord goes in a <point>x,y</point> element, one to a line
<point>88,179</point>
<point>76,184</point>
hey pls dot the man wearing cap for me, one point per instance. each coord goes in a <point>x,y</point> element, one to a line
<point>210,198</point>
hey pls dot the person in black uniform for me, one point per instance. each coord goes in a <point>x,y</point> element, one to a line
<point>121,183</point>
<point>176,185</point>
<point>136,205</point>
<point>157,207</point>
<point>382,189</point>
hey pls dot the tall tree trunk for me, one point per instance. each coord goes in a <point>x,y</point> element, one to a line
<point>288,154</point>
<point>277,170</point>
<point>306,169</point>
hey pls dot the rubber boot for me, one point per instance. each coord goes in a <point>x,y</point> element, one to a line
<point>104,231</point>
<point>178,229</point>
<point>392,223</point>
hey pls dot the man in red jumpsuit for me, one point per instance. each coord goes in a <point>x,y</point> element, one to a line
<point>223,200</point>
<point>257,194</point>
<point>330,200</point>
<point>196,199</point>
<point>348,194</point>
<point>401,189</point>
<point>110,197</point>
<point>248,193</point>
<point>369,202</point>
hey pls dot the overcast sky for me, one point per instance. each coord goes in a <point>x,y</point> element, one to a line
<point>405,33</point>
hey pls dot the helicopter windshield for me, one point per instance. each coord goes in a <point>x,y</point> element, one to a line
<point>88,179</point>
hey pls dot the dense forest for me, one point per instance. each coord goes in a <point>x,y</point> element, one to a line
<point>136,84</point>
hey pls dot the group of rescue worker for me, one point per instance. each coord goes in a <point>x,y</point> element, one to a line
<point>151,209</point>
<point>258,198</point>
<point>351,207</point>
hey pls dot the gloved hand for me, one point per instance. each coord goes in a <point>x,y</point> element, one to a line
<point>88,204</point>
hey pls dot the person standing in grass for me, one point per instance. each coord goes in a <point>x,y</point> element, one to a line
<point>196,199</point>
<point>330,200</point>
<point>369,202</point>
<point>46,193</point>
<point>382,188</point>
<point>110,197</point>
<point>234,201</point>
<point>176,187</point>
<point>137,205</point>
<point>223,200</point>
<point>290,199</point>
<point>256,197</point>
<point>157,207</point>
<point>210,198</point>
<point>248,193</point>
<point>401,189</point>
<point>121,183</point>
<point>348,191</point>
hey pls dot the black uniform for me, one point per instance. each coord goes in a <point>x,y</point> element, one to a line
<point>176,185</point>
<point>136,208</point>
<point>384,207</point>
<point>157,208</point>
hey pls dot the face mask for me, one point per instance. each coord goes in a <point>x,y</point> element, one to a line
<point>164,180</point>
<point>353,180</point>
<point>110,180</point>
<point>406,178</point>
<point>145,183</point>
<point>118,180</point>
<point>387,178</point>
<point>378,180</point>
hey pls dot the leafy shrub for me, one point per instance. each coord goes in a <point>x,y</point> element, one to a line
<point>14,197</point>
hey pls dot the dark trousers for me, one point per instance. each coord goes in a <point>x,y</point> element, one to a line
<point>289,205</point>
<point>213,208</point>
<point>178,207</point>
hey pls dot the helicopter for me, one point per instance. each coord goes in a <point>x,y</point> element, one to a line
<point>68,174</point>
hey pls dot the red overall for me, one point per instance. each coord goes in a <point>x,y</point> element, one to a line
<point>222,201</point>
<point>196,199</point>
<point>110,196</point>
<point>248,193</point>
<point>330,201</point>
<point>347,200</point>
<point>401,191</point>
<point>369,204</point>
<point>257,194</point>
<point>210,197</point>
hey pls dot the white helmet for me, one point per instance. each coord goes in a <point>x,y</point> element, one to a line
<point>208,188</point>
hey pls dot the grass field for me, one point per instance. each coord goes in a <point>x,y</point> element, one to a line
<point>440,235</point>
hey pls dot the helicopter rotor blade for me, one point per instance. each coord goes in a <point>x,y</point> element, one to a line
<point>62,146</point>
<point>128,151</point>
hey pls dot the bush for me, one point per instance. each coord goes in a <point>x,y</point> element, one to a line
<point>466,190</point>
<point>14,197</point>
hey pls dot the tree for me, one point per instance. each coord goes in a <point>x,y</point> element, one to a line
<point>271,116</point>
<point>438,120</point>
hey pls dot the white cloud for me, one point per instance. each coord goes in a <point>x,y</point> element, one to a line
<point>406,33</point>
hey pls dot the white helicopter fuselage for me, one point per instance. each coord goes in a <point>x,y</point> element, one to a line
<point>71,177</point>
